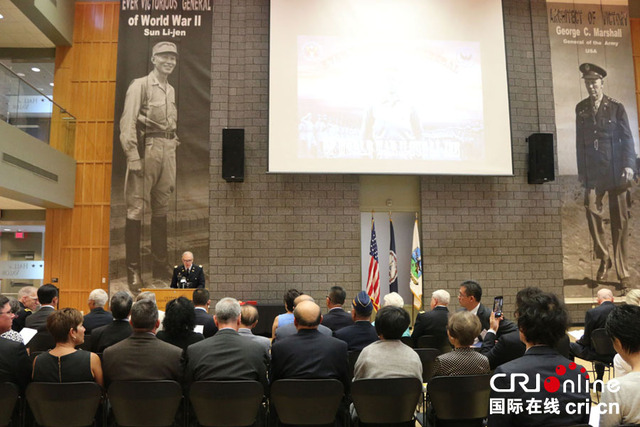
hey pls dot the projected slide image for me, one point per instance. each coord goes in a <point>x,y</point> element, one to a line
<point>389,99</point>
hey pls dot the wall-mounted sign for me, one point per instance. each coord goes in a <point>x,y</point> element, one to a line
<point>27,270</point>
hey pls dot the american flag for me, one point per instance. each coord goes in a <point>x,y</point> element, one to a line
<point>373,281</point>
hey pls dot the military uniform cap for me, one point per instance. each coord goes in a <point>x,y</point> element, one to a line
<point>592,71</point>
<point>165,47</point>
<point>362,303</point>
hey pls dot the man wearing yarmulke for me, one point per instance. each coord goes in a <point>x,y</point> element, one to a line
<point>606,165</point>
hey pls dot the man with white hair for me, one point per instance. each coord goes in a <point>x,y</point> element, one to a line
<point>434,322</point>
<point>187,275</point>
<point>28,299</point>
<point>594,319</point>
<point>227,355</point>
<point>97,315</point>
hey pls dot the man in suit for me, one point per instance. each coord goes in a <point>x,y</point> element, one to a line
<point>469,297</point>
<point>248,320</point>
<point>142,356</point>
<point>542,320</point>
<point>504,349</point>
<point>361,333</point>
<point>336,318</point>
<point>15,366</point>
<point>201,301</point>
<point>309,354</point>
<point>227,355</point>
<point>119,328</point>
<point>593,319</point>
<point>187,275</point>
<point>290,329</point>
<point>434,322</point>
<point>97,315</point>
<point>606,165</point>
<point>48,297</point>
<point>28,299</point>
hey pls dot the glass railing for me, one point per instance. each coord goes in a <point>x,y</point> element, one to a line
<point>31,111</point>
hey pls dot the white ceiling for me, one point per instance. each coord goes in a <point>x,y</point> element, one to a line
<point>16,30</point>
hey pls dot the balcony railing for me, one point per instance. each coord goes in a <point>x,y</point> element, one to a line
<point>28,109</point>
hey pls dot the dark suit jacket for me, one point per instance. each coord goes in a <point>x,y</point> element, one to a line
<point>310,354</point>
<point>337,319</point>
<point>594,319</point>
<point>96,318</point>
<point>505,327</point>
<point>226,356</point>
<point>539,360</point>
<point>508,347</point>
<point>15,366</point>
<point>108,335</point>
<point>195,278</point>
<point>432,322</point>
<point>205,319</point>
<point>21,317</point>
<point>38,320</point>
<point>142,356</point>
<point>358,335</point>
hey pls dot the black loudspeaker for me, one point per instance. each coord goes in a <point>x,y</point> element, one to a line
<point>233,155</point>
<point>541,162</point>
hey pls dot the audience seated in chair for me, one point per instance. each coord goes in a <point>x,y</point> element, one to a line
<point>97,315</point>
<point>593,319</point>
<point>463,327</point>
<point>362,332</point>
<point>143,356</point>
<point>623,324</point>
<point>621,367</point>
<point>290,329</point>
<point>201,301</point>
<point>64,363</point>
<point>28,300</point>
<point>227,355</point>
<point>504,349</point>
<point>433,322</point>
<point>336,318</point>
<point>285,318</point>
<point>248,320</point>
<point>48,297</point>
<point>389,357</point>
<point>469,297</point>
<point>179,321</point>
<point>15,366</point>
<point>119,328</point>
<point>542,320</point>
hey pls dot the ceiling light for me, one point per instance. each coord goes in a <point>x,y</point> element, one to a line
<point>20,74</point>
<point>1,16</point>
<point>51,84</point>
<point>35,69</point>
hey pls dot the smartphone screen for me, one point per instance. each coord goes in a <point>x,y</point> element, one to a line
<point>497,306</point>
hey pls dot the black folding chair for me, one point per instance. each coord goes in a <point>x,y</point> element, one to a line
<point>9,395</point>
<point>307,402</point>
<point>226,403</point>
<point>407,340</point>
<point>460,400</point>
<point>432,341</point>
<point>145,403</point>
<point>353,358</point>
<point>64,404</point>
<point>386,401</point>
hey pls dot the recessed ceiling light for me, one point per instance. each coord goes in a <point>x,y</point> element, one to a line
<point>41,89</point>
<point>7,229</point>
<point>20,74</point>
<point>51,84</point>
<point>1,16</point>
<point>35,69</point>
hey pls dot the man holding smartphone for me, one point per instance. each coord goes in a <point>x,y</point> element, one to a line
<point>469,297</point>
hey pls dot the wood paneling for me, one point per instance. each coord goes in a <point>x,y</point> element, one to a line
<point>77,240</point>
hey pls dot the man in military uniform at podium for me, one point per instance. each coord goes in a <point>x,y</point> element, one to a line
<point>606,165</point>
<point>187,275</point>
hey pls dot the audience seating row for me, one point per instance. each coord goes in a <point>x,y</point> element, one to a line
<point>386,402</point>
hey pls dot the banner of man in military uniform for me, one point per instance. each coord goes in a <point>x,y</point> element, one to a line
<point>597,144</point>
<point>159,196</point>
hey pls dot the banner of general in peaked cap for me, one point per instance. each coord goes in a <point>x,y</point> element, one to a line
<point>159,200</point>
<point>597,138</point>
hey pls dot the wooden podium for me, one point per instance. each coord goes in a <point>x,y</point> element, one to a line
<point>164,295</point>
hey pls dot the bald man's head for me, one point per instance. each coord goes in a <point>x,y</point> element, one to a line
<point>301,298</point>
<point>307,315</point>
<point>605,295</point>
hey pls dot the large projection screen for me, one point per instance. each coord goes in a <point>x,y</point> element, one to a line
<point>388,87</point>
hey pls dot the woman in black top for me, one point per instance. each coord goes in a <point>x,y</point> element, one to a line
<point>179,321</point>
<point>64,363</point>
